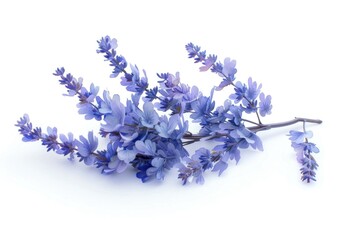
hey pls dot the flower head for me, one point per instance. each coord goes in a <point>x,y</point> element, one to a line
<point>253,90</point>
<point>194,52</point>
<point>304,150</point>
<point>114,119</point>
<point>86,148</point>
<point>137,136</point>
<point>86,105</point>
<point>240,90</point>
<point>106,44</point>
<point>208,63</point>
<point>149,116</point>
<point>229,69</point>
<point>167,126</point>
<point>265,105</point>
<point>151,94</point>
<point>67,146</point>
<point>26,129</point>
<point>203,155</point>
<point>50,139</point>
<point>298,136</point>
<point>157,168</point>
<point>202,107</point>
<point>117,159</point>
<point>221,165</point>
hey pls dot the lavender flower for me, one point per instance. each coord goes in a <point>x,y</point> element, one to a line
<point>157,168</point>
<point>86,148</point>
<point>86,105</point>
<point>193,169</point>
<point>220,166</point>
<point>195,166</point>
<point>240,90</point>
<point>228,72</point>
<point>68,145</point>
<point>265,105</point>
<point>299,137</point>
<point>108,46</point>
<point>203,155</point>
<point>137,136</point>
<point>225,70</point>
<point>202,108</point>
<point>133,82</point>
<point>208,63</point>
<point>149,116</point>
<point>147,147</point>
<point>86,98</point>
<point>117,159</point>
<point>162,157</point>
<point>26,129</point>
<point>72,84</point>
<point>229,69</point>
<point>166,126</point>
<point>194,52</point>
<point>253,90</point>
<point>50,139</point>
<point>250,97</point>
<point>115,114</point>
<point>151,94</point>
<point>304,150</point>
<point>221,158</point>
<point>184,173</point>
<point>175,96</point>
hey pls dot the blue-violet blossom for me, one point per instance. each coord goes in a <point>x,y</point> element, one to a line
<point>150,131</point>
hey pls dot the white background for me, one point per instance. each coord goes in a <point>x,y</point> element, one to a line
<point>306,55</point>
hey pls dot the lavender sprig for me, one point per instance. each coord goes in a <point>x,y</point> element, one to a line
<point>84,149</point>
<point>304,153</point>
<point>149,132</point>
<point>86,97</point>
<point>107,46</point>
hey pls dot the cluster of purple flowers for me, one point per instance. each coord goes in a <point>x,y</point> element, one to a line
<point>304,150</point>
<point>150,131</point>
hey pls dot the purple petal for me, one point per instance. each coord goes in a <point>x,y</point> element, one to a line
<point>126,155</point>
<point>220,166</point>
<point>90,160</point>
<point>121,167</point>
<point>147,147</point>
<point>157,162</point>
